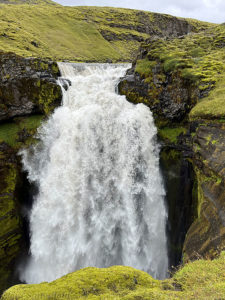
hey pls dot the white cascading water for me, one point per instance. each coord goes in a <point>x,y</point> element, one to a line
<point>101,197</point>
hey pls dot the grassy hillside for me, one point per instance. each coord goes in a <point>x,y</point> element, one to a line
<point>79,33</point>
<point>201,279</point>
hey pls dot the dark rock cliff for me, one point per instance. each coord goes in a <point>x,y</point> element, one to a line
<point>28,93</point>
<point>206,235</point>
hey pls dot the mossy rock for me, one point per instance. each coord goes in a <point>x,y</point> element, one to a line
<point>10,223</point>
<point>13,136</point>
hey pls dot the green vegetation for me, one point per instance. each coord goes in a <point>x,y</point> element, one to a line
<point>171,134</point>
<point>9,132</point>
<point>213,106</point>
<point>199,57</point>
<point>76,33</point>
<point>202,279</point>
<point>144,67</point>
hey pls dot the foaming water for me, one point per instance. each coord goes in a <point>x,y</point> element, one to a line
<point>101,197</point>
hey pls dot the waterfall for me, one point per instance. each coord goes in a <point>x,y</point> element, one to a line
<point>100,198</point>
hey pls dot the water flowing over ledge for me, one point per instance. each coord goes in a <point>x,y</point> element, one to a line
<point>101,197</point>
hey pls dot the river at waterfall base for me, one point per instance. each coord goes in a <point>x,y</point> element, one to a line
<point>100,198</point>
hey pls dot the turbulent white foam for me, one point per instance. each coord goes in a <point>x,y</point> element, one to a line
<point>101,198</point>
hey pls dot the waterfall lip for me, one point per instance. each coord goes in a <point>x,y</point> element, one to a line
<point>101,195</point>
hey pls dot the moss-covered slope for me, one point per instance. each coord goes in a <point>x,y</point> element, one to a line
<point>83,33</point>
<point>202,279</point>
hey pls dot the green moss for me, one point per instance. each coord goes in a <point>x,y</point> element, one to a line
<point>202,279</point>
<point>172,63</point>
<point>9,132</point>
<point>171,134</point>
<point>47,96</point>
<point>144,67</point>
<point>32,122</point>
<point>200,194</point>
<point>211,107</point>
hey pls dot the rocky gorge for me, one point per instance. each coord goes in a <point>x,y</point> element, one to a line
<point>181,79</point>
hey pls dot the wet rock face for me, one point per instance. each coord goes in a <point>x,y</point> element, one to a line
<point>206,236</point>
<point>27,86</point>
<point>178,178</point>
